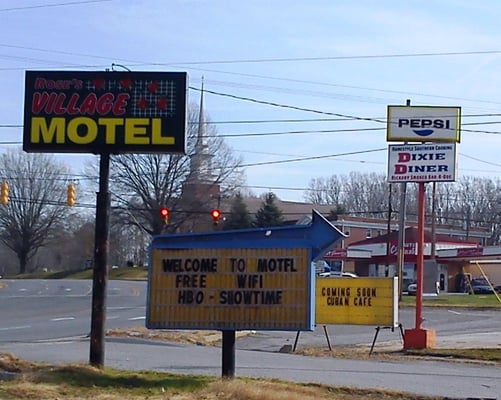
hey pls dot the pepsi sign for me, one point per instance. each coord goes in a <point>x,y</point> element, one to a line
<point>423,124</point>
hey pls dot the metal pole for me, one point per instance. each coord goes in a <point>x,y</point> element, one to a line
<point>228,370</point>
<point>433,223</point>
<point>100,275</point>
<point>401,231</point>
<point>388,231</point>
<point>420,255</point>
<point>401,237</point>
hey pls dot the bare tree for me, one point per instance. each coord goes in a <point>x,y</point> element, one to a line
<point>356,193</point>
<point>325,191</point>
<point>143,183</point>
<point>37,202</point>
<point>468,203</point>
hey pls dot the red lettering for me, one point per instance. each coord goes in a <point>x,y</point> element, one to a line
<point>39,102</point>
<point>72,108</point>
<point>59,108</point>
<point>105,103</point>
<point>39,83</point>
<point>120,104</point>
<point>404,157</point>
<point>400,169</point>
<point>60,103</point>
<point>88,105</point>
<point>49,109</point>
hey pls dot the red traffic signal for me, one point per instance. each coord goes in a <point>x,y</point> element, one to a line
<point>216,215</point>
<point>164,213</point>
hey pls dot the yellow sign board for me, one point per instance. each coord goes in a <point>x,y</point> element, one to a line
<point>357,301</point>
<point>230,289</point>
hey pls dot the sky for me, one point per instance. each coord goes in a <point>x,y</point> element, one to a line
<point>298,88</point>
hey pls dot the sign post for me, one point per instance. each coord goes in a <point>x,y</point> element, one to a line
<point>422,163</point>
<point>104,113</point>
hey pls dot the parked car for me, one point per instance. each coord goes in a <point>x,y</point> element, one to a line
<point>338,275</point>
<point>481,286</point>
<point>412,289</point>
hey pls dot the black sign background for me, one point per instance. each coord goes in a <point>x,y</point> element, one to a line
<point>129,112</point>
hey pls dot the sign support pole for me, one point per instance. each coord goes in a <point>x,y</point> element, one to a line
<point>419,338</point>
<point>100,274</point>
<point>420,256</point>
<point>228,369</point>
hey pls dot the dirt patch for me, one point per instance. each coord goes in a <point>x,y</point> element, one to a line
<point>200,338</point>
<point>385,351</point>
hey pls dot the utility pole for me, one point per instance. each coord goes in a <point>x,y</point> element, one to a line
<point>401,231</point>
<point>433,227</point>
<point>388,231</point>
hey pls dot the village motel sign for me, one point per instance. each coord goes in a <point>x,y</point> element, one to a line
<point>104,112</point>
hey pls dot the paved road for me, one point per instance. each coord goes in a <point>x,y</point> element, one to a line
<point>49,321</point>
<point>434,378</point>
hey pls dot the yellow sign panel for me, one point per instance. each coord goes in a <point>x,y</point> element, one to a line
<point>357,301</point>
<point>230,289</point>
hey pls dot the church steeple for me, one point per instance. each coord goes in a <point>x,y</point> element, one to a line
<point>201,160</point>
<point>201,191</point>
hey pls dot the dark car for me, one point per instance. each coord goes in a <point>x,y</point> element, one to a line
<point>481,286</point>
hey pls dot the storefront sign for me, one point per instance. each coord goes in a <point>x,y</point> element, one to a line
<point>423,124</point>
<point>422,162</point>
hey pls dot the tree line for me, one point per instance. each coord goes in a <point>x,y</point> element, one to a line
<point>469,203</point>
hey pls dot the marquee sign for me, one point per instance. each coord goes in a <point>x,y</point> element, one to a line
<point>423,124</point>
<point>99,111</point>
<point>239,279</point>
<point>230,289</point>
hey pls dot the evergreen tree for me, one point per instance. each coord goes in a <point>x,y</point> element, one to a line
<point>239,216</point>
<point>269,214</point>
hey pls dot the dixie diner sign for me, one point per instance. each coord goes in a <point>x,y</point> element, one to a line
<point>434,162</point>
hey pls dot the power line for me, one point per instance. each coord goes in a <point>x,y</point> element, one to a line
<point>311,158</point>
<point>68,3</point>
<point>270,103</point>
<point>480,160</point>
<point>224,135</point>
<point>345,116</point>
<point>325,58</point>
<point>302,81</point>
<point>338,58</point>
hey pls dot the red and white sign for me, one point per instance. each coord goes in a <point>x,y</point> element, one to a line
<point>474,252</point>
<point>410,248</point>
<point>434,162</point>
<point>337,254</point>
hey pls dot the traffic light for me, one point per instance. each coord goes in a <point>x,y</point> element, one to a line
<point>164,213</point>
<point>72,195</point>
<point>4,196</point>
<point>216,216</point>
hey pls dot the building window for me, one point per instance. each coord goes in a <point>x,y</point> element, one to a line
<point>379,232</point>
<point>347,230</point>
<point>368,234</point>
